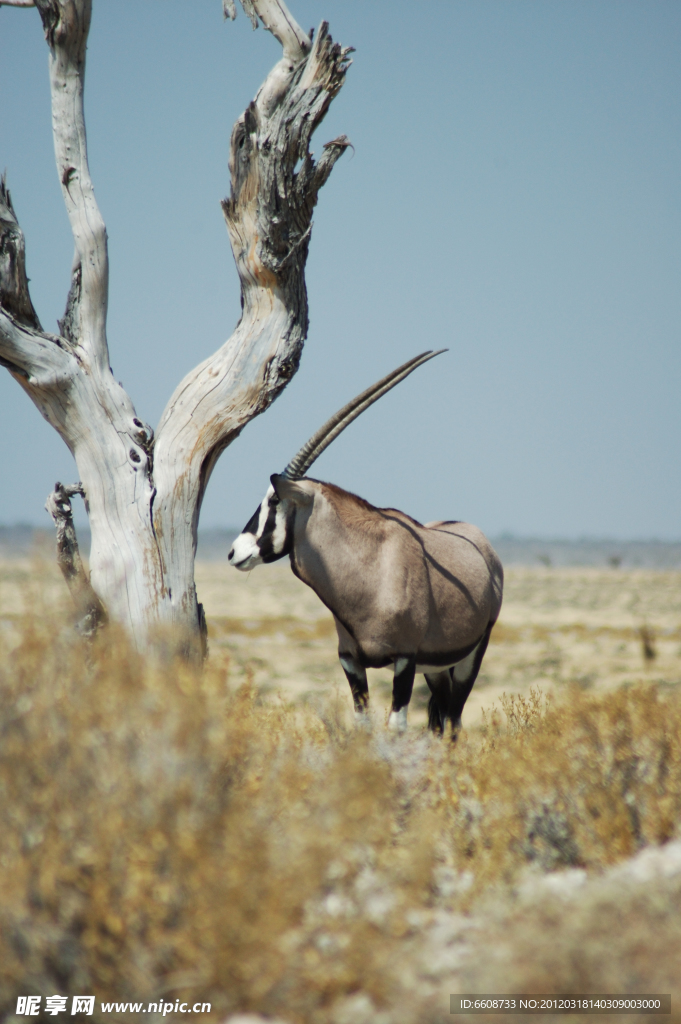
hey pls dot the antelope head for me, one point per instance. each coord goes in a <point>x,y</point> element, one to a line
<point>268,535</point>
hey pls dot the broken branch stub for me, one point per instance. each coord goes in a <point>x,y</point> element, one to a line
<point>269,211</point>
<point>91,613</point>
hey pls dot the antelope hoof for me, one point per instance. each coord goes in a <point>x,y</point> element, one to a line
<point>397,721</point>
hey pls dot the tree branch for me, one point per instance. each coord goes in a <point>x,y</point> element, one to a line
<point>66,24</point>
<point>14,294</point>
<point>35,356</point>
<point>278,20</point>
<point>25,349</point>
<point>269,220</point>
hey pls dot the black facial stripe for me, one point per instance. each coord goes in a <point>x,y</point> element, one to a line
<point>252,524</point>
<point>264,541</point>
<point>265,544</point>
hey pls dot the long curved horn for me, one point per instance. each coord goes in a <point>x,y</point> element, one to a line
<point>300,463</point>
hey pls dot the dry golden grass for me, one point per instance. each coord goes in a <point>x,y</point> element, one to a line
<point>161,834</point>
<point>165,833</point>
<point>583,784</point>
<point>558,628</point>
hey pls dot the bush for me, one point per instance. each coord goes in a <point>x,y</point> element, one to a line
<point>162,834</point>
<point>582,784</point>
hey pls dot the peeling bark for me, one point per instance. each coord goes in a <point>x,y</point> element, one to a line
<point>143,493</point>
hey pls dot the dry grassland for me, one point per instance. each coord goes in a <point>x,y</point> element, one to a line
<point>558,627</point>
<point>230,837</point>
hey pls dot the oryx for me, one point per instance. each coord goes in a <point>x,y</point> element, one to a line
<point>423,598</point>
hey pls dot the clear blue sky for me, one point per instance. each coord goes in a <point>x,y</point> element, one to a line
<point>514,195</point>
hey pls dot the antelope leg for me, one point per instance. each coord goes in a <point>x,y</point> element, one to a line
<point>357,677</point>
<point>403,684</point>
<point>464,674</point>
<point>440,685</point>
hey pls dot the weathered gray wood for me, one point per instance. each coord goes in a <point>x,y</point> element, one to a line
<point>143,493</point>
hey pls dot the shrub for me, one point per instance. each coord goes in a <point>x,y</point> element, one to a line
<point>582,784</point>
<point>162,834</point>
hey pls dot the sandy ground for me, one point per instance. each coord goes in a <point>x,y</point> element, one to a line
<point>558,626</point>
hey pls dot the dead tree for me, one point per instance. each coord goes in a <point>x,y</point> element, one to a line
<point>143,490</point>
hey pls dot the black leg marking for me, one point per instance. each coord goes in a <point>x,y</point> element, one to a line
<point>357,677</point>
<point>440,685</point>
<point>434,716</point>
<point>462,684</point>
<point>403,684</point>
<point>451,688</point>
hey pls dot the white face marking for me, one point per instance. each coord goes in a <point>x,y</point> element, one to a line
<point>244,553</point>
<point>279,532</point>
<point>264,510</point>
<point>397,722</point>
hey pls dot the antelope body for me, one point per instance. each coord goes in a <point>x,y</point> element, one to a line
<point>423,598</point>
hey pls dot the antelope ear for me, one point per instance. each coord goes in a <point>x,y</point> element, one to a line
<point>290,490</point>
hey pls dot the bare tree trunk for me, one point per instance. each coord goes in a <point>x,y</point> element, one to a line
<point>143,493</point>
